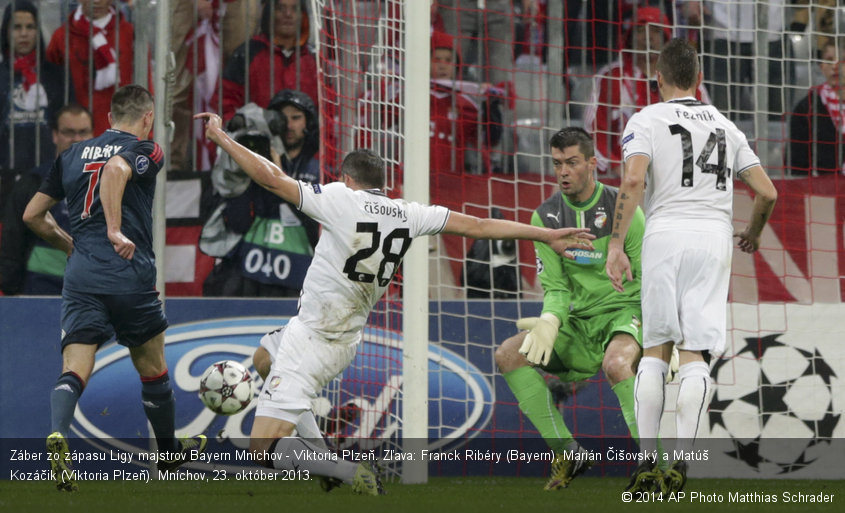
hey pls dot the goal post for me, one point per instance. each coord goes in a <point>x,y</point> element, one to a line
<point>415,290</point>
<point>371,98</point>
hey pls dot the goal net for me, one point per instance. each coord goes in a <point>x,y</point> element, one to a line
<point>492,113</point>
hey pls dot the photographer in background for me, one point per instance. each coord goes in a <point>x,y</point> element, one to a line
<point>263,243</point>
<point>491,268</point>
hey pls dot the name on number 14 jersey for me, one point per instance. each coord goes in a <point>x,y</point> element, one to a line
<point>94,267</point>
<point>694,152</point>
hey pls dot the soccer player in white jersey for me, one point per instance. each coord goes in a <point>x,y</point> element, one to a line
<point>684,154</point>
<point>365,234</point>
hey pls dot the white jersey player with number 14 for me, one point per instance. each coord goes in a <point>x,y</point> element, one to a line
<point>685,154</point>
<point>365,235</point>
<point>690,188</point>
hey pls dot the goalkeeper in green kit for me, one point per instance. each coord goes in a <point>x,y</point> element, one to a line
<point>585,325</point>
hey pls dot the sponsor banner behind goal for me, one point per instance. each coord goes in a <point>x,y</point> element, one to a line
<point>776,409</point>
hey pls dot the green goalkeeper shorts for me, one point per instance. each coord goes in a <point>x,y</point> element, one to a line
<point>581,342</point>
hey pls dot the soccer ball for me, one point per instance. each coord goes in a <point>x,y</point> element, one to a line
<point>226,387</point>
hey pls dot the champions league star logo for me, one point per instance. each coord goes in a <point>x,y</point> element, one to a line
<point>782,417</point>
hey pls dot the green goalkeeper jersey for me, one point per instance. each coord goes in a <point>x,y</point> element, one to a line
<point>581,287</point>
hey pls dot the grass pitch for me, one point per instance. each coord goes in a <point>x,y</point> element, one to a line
<point>440,495</point>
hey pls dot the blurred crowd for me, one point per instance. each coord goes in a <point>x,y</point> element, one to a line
<point>499,74</point>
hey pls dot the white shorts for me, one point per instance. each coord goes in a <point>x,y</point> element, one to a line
<point>303,363</point>
<point>685,289</point>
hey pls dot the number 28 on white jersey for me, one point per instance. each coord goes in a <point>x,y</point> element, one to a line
<point>365,235</point>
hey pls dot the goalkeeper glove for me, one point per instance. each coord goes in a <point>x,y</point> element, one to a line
<point>539,343</point>
<point>674,364</point>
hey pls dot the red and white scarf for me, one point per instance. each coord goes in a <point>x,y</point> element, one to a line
<point>835,106</point>
<point>105,58</point>
<point>204,43</point>
<point>33,96</point>
<point>26,66</point>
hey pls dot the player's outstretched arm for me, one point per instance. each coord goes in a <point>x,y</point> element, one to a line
<point>37,218</point>
<point>116,173</point>
<point>481,228</point>
<point>765,196</point>
<point>618,265</point>
<point>262,171</point>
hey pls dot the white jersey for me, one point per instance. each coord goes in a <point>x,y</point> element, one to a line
<point>695,152</point>
<point>365,234</point>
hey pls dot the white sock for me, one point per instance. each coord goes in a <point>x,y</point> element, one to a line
<point>648,400</point>
<point>294,453</point>
<point>693,398</point>
<point>307,428</point>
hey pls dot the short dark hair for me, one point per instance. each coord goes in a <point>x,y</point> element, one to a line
<point>364,166</point>
<point>678,63</point>
<point>70,108</point>
<point>7,26</point>
<point>837,44</point>
<point>571,136</point>
<point>130,103</point>
<point>269,6</point>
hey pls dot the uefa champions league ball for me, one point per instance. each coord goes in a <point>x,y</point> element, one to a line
<point>226,387</point>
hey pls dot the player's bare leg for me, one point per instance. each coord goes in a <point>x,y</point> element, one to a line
<point>535,401</point>
<point>621,358</point>
<point>262,361</point>
<point>272,446</point>
<point>159,405</point>
<point>77,365</point>
<point>619,365</point>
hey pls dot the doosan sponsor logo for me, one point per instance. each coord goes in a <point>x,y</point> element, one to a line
<point>586,254</point>
<point>110,410</point>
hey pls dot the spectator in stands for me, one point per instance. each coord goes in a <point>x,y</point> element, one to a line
<point>31,90</point>
<point>817,123</point>
<point>729,37</point>
<point>274,252</point>
<point>91,30</point>
<point>624,87</point>
<point>591,31</point>
<point>824,17</point>
<point>196,48</point>
<point>487,34</point>
<point>28,264</point>
<point>456,108</point>
<point>466,119</point>
<point>200,31</point>
<point>239,23</point>
<point>280,48</point>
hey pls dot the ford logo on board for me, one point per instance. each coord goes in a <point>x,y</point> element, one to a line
<point>364,404</point>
